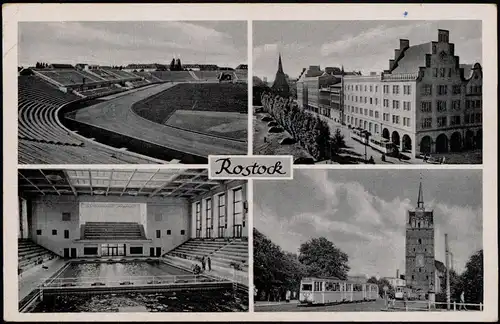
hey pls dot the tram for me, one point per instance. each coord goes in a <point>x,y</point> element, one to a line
<point>376,142</point>
<point>321,291</point>
<point>358,134</point>
<point>399,292</point>
<point>382,145</point>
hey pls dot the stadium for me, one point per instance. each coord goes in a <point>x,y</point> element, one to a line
<point>139,113</point>
<point>131,240</point>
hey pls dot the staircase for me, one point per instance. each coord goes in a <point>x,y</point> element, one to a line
<point>30,254</point>
<point>113,231</point>
<point>235,252</point>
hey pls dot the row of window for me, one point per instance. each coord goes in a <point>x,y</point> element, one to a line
<point>441,105</point>
<point>413,277</point>
<point>221,212</point>
<point>396,119</point>
<point>54,233</point>
<point>372,101</point>
<point>442,121</point>
<point>472,104</point>
<point>475,89</point>
<point>386,88</point>
<point>472,118</point>
<point>359,87</point>
<point>442,89</point>
<point>367,125</point>
<point>66,233</point>
<point>367,112</point>
<point>169,232</point>
<point>418,224</point>
<point>395,89</point>
<point>440,72</point>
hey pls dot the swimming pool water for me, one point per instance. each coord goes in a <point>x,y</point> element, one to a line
<point>113,270</point>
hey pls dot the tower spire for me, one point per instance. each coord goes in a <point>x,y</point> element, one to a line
<point>420,201</point>
<point>280,66</point>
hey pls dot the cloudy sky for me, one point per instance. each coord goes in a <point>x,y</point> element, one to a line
<point>358,45</point>
<point>119,43</point>
<point>363,212</point>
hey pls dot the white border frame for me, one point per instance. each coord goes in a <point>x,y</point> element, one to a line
<point>12,13</point>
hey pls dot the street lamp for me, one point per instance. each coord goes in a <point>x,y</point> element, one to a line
<point>367,136</point>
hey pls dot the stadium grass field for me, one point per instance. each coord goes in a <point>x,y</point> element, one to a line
<point>114,122</point>
<point>221,124</point>
<point>221,97</point>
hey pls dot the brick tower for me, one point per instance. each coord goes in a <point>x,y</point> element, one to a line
<point>420,264</point>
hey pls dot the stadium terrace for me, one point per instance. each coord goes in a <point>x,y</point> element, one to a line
<point>68,113</point>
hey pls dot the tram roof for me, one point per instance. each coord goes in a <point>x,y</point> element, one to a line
<point>180,183</point>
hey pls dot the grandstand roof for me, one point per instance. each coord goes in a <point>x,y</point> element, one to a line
<point>61,66</point>
<point>115,182</point>
<point>201,66</point>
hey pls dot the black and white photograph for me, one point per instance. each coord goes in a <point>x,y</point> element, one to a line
<point>131,92</point>
<point>369,241</point>
<point>368,92</point>
<point>131,240</point>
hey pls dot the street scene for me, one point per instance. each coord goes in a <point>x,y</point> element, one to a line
<point>392,92</point>
<point>369,240</point>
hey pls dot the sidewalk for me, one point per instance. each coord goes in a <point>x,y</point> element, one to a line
<point>266,303</point>
<point>32,278</point>
<point>227,273</point>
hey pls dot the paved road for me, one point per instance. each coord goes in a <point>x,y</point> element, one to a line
<point>116,115</point>
<point>374,306</point>
<point>356,151</point>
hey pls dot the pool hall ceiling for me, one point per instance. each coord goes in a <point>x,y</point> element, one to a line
<point>185,183</point>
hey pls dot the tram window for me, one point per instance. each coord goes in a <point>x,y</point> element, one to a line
<point>418,224</point>
<point>307,287</point>
<point>317,286</point>
<point>330,286</point>
<point>419,240</point>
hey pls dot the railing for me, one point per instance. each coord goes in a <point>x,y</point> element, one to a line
<point>400,76</point>
<point>412,305</point>
<point>126,281</point>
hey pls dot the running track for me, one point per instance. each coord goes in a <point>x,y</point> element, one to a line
<point>117,116</point>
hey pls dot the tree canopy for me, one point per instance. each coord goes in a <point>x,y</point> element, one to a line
<point>471,282</point>
<point>381,283</point>
<point>472,279</point>
<point>276,271</point>
<point>311,132</point>
<point>324,259</point>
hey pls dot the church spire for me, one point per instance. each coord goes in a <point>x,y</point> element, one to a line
<point>280,66</point>
<point>280,85</point>
<point>420,201</point>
